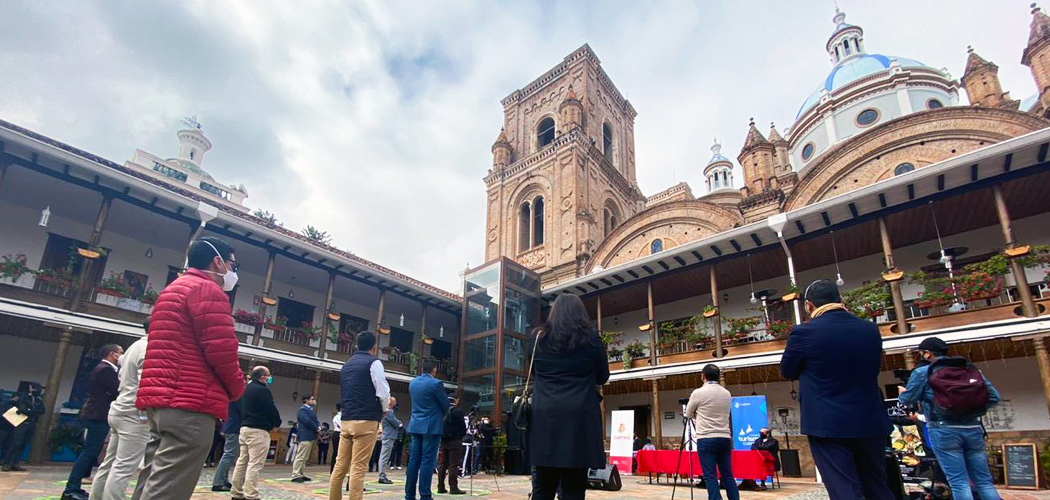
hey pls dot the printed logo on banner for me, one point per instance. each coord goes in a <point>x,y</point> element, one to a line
<point>749,415</point>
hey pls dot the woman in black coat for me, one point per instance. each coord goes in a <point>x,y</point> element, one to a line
<point>565,433</point>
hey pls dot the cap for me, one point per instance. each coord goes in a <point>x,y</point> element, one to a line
<point>934,345</point>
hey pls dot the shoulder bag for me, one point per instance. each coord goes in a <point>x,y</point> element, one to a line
<point>521,409</point>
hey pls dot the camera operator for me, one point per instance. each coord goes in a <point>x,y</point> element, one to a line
<point>486,435</point>
<point>450,453</point>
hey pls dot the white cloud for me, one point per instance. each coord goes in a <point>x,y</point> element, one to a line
<point>373,120</point>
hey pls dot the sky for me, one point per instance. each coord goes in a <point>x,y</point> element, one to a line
<point>373,120</point>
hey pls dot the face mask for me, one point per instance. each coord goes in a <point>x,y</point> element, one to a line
<point>229,279</point>
<point>269,380</point>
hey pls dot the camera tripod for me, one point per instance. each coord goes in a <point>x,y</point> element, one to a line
<point>688,432</point>
<point>472,446</point>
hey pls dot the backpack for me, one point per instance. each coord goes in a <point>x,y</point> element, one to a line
<point>454,428</point>
<point>959,391</point>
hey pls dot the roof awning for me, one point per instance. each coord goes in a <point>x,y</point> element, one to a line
<point>62,318</point>
<point>1010,328</point>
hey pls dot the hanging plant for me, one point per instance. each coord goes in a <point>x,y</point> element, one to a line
<point>792,293</point>
<point>710,311</point>
<point>427,340</point>
<point>150,295</point>
<point>632,351</point>
<point>14,267</point>
<point>868,301</point>
<point>333,330</point>
<point>114,285</point>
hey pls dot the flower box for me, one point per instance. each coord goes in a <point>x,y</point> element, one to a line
<point>106,299</point>
<point>243,328</point>
<point>25,280</point>
<point>146,309</point>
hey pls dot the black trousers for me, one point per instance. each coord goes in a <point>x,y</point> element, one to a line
<point>450,457</point>
<point>547,481</point>
<point>852,468</point>
<point>322,453</point>
<point>335,450</point>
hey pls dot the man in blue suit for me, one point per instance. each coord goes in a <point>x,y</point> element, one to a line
<point>836,357</point>
<point>429,406</point>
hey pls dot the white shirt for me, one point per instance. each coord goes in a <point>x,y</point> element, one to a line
<point>131,362</point>
<point>337,422</point>
<point>115,368</point>
<point>379,381</point>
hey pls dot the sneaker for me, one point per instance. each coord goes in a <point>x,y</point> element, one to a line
<point>222,487</point>
<point>305,479</point>
<point>297,479</point>
<point>457,491</point>
<point>384,480</point>
<point>442,491</point>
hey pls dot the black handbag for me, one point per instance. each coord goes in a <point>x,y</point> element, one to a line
<point>521,409</point>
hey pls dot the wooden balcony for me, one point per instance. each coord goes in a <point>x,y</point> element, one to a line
<point>684,354</point>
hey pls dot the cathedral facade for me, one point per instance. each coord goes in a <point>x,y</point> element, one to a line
<point>563,198</point>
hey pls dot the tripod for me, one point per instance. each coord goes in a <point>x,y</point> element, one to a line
<point>688,431</point>
<point>473,446</point>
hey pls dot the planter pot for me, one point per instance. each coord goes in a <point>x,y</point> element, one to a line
<point>712,313</point>
<point>129,304</point>
<point>243,328</point>
<point>146,309</point>
<point>26,280</point>
<point>88,254</point>
<point>789,297</point>
<point>107,299</point>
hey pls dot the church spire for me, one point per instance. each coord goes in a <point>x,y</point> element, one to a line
<point>754,138</point>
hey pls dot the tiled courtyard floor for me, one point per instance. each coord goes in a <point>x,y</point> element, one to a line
<point>46,483</point>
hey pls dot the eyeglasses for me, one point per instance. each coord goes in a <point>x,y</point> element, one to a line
<point>233,266</point>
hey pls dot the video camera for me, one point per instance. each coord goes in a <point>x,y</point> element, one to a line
<point>683,401</point>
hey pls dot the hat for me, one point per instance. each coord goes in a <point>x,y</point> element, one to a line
<point>934,345</point>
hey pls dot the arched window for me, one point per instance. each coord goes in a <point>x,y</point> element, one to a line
<point>838,56</point>
<point>524,227</point>
<point>656,246</point>
<point>545,132</point>
<point>537,225</point>
<point>193,152</point>
<point>903,168</point>
<point>934,104</point>
<point>845,45</point>
<point>607,141</point>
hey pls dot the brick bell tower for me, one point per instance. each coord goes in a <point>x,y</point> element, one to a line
<point>562,163</point>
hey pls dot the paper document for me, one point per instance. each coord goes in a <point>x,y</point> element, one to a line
<point>14,417</point>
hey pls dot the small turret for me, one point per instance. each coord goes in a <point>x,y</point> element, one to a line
<point>1037,53</point>
<point>756,158</point>
<point>981,81</point>
<point>501,151</point>
<point>719,170</point>
<point>780,151</point>
<point>571,111</point>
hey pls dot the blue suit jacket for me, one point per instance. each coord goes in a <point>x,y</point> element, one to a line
<point>836,358</point>
<point>429,406</point>
<point>308,424</point>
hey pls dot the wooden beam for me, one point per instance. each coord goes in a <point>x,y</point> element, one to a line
<point>895,286</point>
<point>1027,301</point>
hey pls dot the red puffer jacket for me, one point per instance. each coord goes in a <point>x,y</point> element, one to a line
<point>191,357</point>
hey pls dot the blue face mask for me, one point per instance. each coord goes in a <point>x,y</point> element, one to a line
<point>269,380</point>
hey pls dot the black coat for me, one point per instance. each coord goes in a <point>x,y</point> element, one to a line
<point>103,387</point>
<point>836,357</point>
<point>258,410</point>
<point>566,427</point>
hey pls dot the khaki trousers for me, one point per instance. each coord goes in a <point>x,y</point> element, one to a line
<point>302,455</point>
<point>179,441</point>
<point>356,441</point>
<point>255,444</point>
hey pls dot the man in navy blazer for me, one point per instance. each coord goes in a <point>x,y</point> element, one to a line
<point>836,357</point>
<point>429,406</point>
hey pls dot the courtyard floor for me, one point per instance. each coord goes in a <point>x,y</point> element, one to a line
<point>46,483</point>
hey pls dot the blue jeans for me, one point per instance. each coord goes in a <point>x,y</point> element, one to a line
<point>718,452</point>
<point>422,457</point>
<point>230,451</point>
<point>961,453</point>
<point>97,430</point>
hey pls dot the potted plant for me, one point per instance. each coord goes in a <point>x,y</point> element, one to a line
<point>612,341</point>
<point>65,442</point>
<point>278,325</point>
<point>111,289</point>
<point>740,328</point>
<point>779,329</point>
<point>792,293</point>
<point>936,291</point>
<point>979,285</point>
<point>59,278</point>
<point>632,351</point>
<point>246,321</point>
<point>710,311</point>
<point>13,268</point>
<point>148,299</point>
<point>868,301</point>
<point>306,332</point>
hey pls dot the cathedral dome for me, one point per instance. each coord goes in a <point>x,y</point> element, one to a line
<point>853,69</point>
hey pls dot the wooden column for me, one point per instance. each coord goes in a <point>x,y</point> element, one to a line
<point>86,283</point>
<point>422,332</point>
<point>317,383</point>
<point>719,350</point>
<point>601,405</point>
<point>1043,360</point>
<point>657,418</point>
<point>54,382</point>
<point>328,298</point>
<point>909,359</point>
<point>380,309</point>
<point>1027,302</point>
<point>895,286</point>
<point>267,287</point>
<point>195,231</point>
<point>652,324</point>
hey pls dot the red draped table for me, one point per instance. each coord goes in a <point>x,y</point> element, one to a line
<point>746,464</point>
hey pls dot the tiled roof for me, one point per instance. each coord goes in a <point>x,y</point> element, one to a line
<point>241,215</point>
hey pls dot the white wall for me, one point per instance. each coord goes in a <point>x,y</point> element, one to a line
<point>31,359</point>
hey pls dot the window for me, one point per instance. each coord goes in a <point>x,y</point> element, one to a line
<point>537,217</point>
<point>934,104</point>
<point>193,152</point>
<point>845,45</point>
<point>217,191</point>
<point>297,313</point>
<point>441,349</point>
<point>170,172</point>
<point>656,246</point>
<point>607,141</point>
<point>401,339</point>
<point>903,168</point>
<point>838,56</point>
<point>807,151</point>
<point>524,227</point>
<point>867,117</point>
<point>545,132</point>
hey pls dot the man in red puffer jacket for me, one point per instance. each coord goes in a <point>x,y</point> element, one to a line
<point>191,372</point>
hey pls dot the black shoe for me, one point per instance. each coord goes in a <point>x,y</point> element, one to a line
<point>456,491</point>
<point>17,468</point>
<point>297,479</point>
<point>442,491</point>
<point>5,468</point>
<point>75,495</point>
<point>221,488</point>
<point>384,480</point>
<point>229,484</point>
<point>305,479</point>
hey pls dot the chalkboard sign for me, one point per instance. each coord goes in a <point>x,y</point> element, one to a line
<point>1021,470</point>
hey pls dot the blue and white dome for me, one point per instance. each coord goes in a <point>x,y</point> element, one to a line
<point>719,170</point>
<point>853,69</point>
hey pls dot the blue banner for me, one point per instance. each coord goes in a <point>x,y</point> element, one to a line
<point>749,416</point>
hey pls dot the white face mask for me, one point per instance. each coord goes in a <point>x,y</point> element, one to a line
<point>229,280</point>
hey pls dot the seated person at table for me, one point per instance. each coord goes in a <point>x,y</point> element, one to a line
<point>765,442</point>
<point>648,446</point>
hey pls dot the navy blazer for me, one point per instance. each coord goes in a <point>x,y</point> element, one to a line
<point>836,358</point>
<point>429,406</point>
<point>308,423</point>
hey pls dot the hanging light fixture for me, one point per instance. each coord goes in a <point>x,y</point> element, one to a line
<point>838,272</point>
<point>401,321</point>
<point>291,293</point>
<point>751,278</point>
<point>441,332</point>
<point>45,216</point>
<point>149,253</point>
<point>945,258</point>
<point>794,393</point>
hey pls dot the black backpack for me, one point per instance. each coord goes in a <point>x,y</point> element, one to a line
<point>454,427</point>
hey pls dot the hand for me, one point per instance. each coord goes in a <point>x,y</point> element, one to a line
<point>914,417</point>
<point>901,389</point>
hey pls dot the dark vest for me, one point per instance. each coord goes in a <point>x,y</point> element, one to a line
<point>357,390</point>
